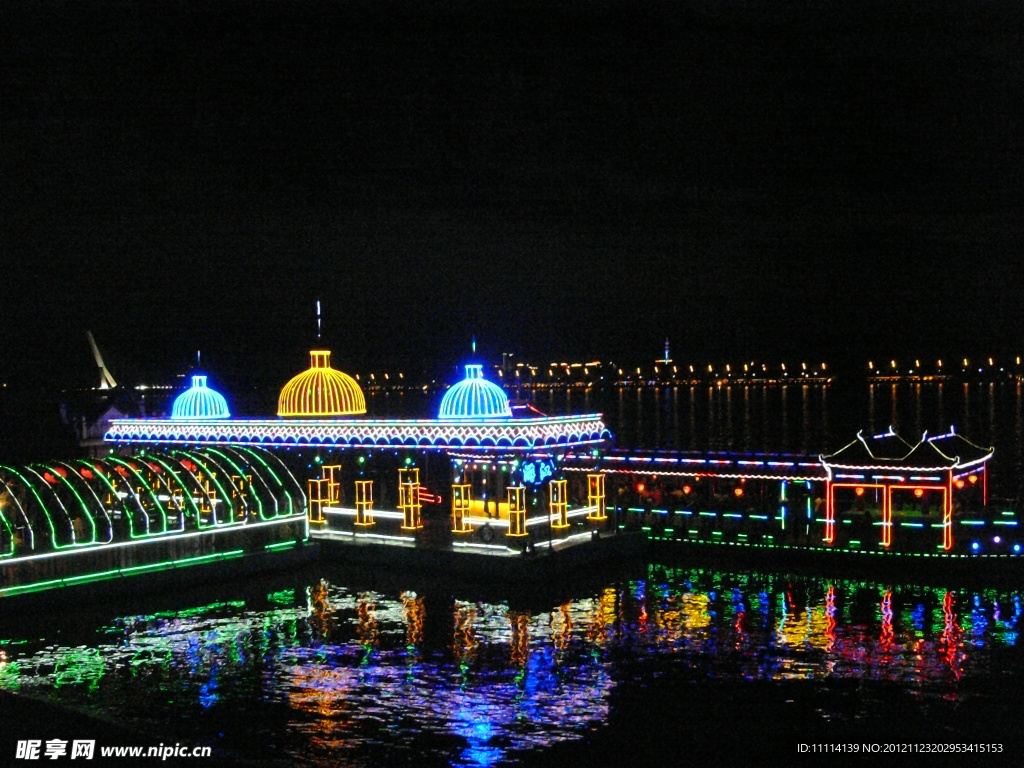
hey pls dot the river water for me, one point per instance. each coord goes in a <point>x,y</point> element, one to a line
<point>664,661</point>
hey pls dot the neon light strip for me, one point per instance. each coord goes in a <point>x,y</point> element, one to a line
<point>150,540</point>
<point>474,545</point>
<point>672,473</point>
<point>106,575</point>
<point>409,540</point>
<point>496,522</point>
<point>347,512</point>
<point>281,545</point>
<point>558,542</point>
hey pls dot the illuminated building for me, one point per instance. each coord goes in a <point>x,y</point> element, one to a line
<point>879,495</point>
<point>890,467</point>
<point>498,467</point>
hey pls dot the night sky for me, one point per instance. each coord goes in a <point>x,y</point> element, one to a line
<point>562,180</point>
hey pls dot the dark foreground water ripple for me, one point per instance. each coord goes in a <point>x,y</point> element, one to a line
<point>668,663</point>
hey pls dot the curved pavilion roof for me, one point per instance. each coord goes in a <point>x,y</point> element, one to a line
<point>889,451</point>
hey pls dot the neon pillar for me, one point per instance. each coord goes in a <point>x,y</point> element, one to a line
<point>516,510</point>
<point>409,498</point>
<point>559,504</point>
<point>364,503</point>
<point>462,495</point>
<point>595,496</point>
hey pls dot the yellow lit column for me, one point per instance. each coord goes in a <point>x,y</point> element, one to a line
<point>409,498</point>
<point>462,495</point>
<point>332,473</point>
<point>364,503</point>
<point>516,510</point>
<point>317,492</point>
<point>595,496</point>
<point>559,505</point>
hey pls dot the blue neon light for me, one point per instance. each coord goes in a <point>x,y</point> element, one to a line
<point>474,397</point>
<point>200,402</point>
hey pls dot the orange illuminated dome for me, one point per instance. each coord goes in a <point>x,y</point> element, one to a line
<point>321,391</point>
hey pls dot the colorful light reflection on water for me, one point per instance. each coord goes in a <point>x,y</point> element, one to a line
<point>321,673</point>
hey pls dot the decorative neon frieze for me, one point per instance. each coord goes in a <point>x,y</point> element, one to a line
<point>200,402</point>
<point>321,391</point>
<point>475,398</point>
<point>528,434</point>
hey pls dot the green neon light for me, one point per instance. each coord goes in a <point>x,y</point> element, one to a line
<point>107,575</point>
<point>81,504</point>
<point>148,490</point>
<point>242,474</point>
<point>237,490</point>
<point>217,484</point>
<point>281,545</point>
<point>42,506</point>
<point>92,491</point>
<point>183,490</point>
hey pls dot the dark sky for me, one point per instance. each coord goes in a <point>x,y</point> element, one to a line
<point>752,180</point>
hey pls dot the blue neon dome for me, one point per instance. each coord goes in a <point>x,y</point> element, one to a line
<point>200,402</point>
<point>475,398</point>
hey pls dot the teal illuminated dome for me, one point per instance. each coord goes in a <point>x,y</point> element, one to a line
<point>475,398</point>
<point>200,402</point>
